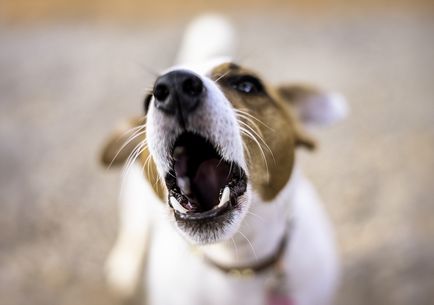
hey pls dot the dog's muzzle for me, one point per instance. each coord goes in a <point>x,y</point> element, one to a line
<point>195,140</point>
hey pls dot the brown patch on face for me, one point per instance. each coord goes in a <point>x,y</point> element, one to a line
<point>151,173</point>
<point>114,154</point>
<point>264,114</point>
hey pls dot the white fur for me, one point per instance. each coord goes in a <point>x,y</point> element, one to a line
<point>209,36</point>
<point>175,275</point>
<point>123,266</point>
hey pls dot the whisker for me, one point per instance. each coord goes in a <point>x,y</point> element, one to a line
<point>147,69</point>
<point>251,129</point>
<point>220,161</point>
<point>135,134</point>
<point>158,180</point>
<point>158,177</point>
<point>256,215</point>
<point>249,135</point>
<point>251,246</point>
<point>246,149</point>
<point>230,169</point>
<point>138,149</point>
<point>221,76</point>
<point>258,132</point>
<point>134,155</point>
<point>147,165</point>
<point>235,247</point>
<point>137,155</point>
<point>260,138</point>
<point>253,117</point>
<point>249,120</point>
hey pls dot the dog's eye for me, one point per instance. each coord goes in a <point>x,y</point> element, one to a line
<point>248,85</point>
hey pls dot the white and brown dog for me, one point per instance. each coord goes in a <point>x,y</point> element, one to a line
<point>212,200</point>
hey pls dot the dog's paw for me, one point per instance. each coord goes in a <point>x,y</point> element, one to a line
<point>122,272</point>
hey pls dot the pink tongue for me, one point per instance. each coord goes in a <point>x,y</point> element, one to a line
<point>211,176</point>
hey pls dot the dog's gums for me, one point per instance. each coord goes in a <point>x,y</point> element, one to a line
<point>201,184</point>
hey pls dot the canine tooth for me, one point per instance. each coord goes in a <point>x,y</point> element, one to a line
<point>225,196</point>
<point>177,206</point>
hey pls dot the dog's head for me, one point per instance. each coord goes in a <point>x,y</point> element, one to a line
<point>213,136</point>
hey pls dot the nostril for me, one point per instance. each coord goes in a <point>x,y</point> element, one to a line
<point>161,92</point>
<point>192,86</point>
<point>178,92</point>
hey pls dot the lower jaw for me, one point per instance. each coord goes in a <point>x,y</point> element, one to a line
<point>199,220</point>
<point>208,231</point>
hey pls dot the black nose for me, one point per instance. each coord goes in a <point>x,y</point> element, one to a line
<point>178,93</point>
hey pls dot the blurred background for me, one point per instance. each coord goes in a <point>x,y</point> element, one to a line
<point>71,70</point>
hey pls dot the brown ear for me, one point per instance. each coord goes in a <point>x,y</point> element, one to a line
<point>122,142</point>
<point>313,106</point>
<point>303,139</point>
<point>121,145</point>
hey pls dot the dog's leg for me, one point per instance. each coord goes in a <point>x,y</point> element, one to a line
<point>313,262</point>
<point>125,262</point>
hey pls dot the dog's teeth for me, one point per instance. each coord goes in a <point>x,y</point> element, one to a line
<point>177,206</point>
<point>225,196</point>
<point>184,184</point>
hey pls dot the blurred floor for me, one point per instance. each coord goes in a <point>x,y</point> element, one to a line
<point>64,87</point>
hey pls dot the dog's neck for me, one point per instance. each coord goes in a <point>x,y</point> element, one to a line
<point>261,231</point>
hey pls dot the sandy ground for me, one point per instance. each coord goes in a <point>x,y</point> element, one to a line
<point>64,87</point>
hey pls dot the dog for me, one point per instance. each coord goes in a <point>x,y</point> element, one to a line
<point>214,208</point>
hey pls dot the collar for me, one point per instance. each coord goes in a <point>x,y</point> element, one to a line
<point>260,266</point>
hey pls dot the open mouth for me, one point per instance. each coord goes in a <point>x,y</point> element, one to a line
<point>201,184</point>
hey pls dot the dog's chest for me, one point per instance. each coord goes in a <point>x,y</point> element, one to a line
<point>178,276</point>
